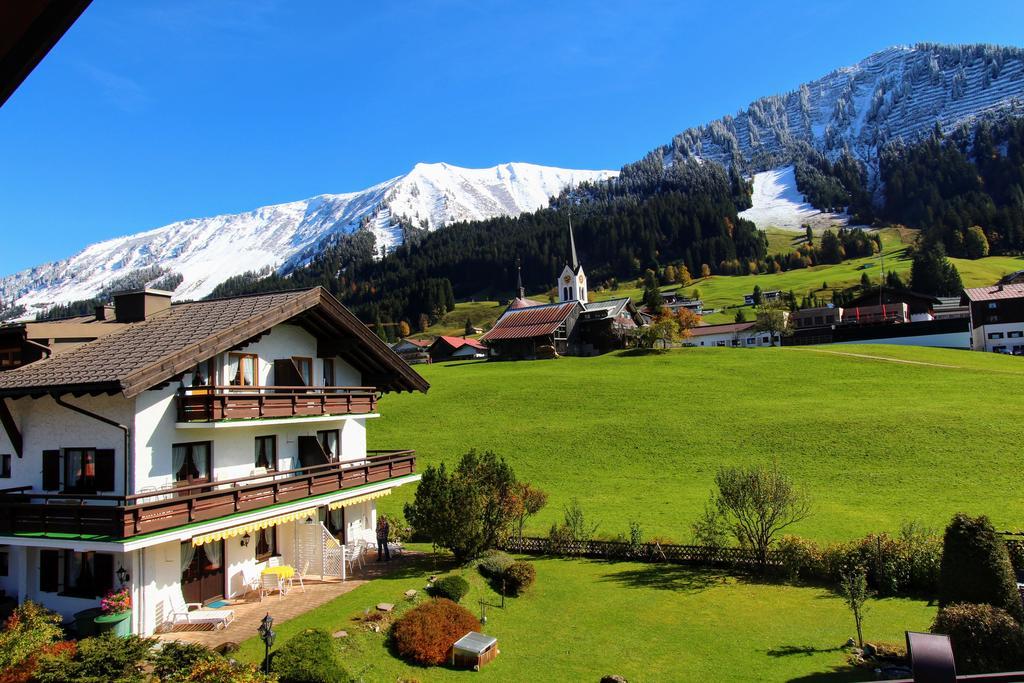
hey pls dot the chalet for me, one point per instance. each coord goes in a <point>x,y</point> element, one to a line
<point>413,351</point>
<point>997,318</point>
<point>895,312</point>
<point>918,306</point>
<point>731,335</point>
<point>771,295</point>
<point>571,326</point>
<point>821,316</point>
<point>180,454</point>
<point>447,348</point>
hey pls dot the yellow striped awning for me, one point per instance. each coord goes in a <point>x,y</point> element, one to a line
<point>253,526</point>
<point>358,499</point>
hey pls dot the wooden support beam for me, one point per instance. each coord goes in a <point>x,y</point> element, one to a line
<point>11,427</point>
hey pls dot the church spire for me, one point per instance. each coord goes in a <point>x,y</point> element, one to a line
<point>572,247</point>
<point>519,280</point>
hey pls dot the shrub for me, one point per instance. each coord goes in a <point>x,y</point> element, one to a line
<point>425,634</point>
<point>453,587</point>
<point>801,558</point>
<point>222,670</point>
<point>976,567</point>
<point>519,576</point>
<point>493,563</point>
<point>98,660</point>
<point>985,639</point>
<point>30,628</point>
<point>25,670</point>
<point>309,657</point>
<point>175,660</point>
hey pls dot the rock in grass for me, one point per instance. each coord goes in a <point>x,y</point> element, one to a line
<point>385,606</point>
<point>340,634</point>
<point>411,593</point>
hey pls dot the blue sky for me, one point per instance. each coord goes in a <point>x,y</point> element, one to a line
<point>149,112</point>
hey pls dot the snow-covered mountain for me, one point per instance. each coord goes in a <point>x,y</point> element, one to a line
<point>777,203</point>
<point>898,94</point>
<point>207,251</point>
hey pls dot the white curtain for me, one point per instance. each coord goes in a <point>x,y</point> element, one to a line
<point>232,369</point>
<point>188,551</point>
<point>201,460</point>
<point>213,553</point>
<point>249,371</point>
<point>177,459</point>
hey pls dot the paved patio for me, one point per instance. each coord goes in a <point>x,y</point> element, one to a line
<point>249,610</point>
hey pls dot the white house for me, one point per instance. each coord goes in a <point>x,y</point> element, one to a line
<point>184,451</point>
<point>997,318</point>
<point>732,335</point>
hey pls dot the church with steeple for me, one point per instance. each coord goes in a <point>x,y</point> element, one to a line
<point>572,326</point>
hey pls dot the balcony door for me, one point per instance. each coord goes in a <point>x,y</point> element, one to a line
<point>190,463</point>
<point>202,574</point>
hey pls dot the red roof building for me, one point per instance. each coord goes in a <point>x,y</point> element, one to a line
<point>444,347</point>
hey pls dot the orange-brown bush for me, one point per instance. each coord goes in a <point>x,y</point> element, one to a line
<point>425,634</point>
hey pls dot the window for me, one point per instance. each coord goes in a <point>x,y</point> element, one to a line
<point>266,452</point>
<point>245,369</point>
<point>266,543</point>
<point>10,358</point>
<point>992,305</point>
<point>995,335</point>
<point>204,374</point>
<point>305,368</point>
<point>751,341</point>
<point>190,462</point>
<point>999,349</point>
<point>5,465</point>
<point>764,340</point>
<point>329,441</point>
<point>81,575</point>
<point>5,561</point>
<point>1013,334</point>
<point>329,372</point>
<point>80,470</point>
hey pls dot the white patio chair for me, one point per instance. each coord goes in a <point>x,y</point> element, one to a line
<point>181,612</point>
<point>299,576</point>
<point>353,556</point>
<point>274,561</point>
<point>251,582</point>
<point>270,583</point>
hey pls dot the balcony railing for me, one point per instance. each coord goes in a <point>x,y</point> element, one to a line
<point>214,403</point>
<point>25,511</point>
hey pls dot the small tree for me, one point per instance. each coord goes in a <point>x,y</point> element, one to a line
<point>403,329</point>
<point>756,503</point>
<point>740,317</point>
<point>527,501</point>
<point>685,320</point>
<point>756,296</point>
<point>773,318</point>
<point>575,526</point>
<point>976,567</point>
<point>853,586</point>
<point>975,243</point>
<point>705,270</point>
<point>423,322</point>
<point>468,510</point>
<point>809,233</point>
<point>469,329</point>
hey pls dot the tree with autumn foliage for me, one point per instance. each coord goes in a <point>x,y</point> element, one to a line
<point>526,501</point>
<point>403,329</point>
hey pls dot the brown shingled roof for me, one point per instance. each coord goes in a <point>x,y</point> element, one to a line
<point>993,292</point>
<point>152,351</point>
<point>525,323</point>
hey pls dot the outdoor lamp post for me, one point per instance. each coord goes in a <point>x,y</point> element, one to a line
<point>266,631</point>
<point>122,575</point>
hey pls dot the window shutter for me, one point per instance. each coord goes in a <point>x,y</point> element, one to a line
<point>49,563</point>
<point>104,469</point>
<point>51,470</point>
<point>103,566</point>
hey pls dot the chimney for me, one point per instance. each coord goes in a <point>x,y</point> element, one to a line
<point>140,304</point>
<point>104,312</point>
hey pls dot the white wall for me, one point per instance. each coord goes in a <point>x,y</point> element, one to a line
<point>950,340</point>
<point>44,425</point>
<point>981,342</point>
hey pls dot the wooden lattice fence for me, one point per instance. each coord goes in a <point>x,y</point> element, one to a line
<point>699,555</point>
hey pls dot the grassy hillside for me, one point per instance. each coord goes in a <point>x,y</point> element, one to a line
<point>875,440</point>
<point>726,292</point>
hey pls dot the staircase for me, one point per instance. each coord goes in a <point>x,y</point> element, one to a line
<point>315,544</point>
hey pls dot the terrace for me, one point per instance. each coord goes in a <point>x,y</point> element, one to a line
<point>24,511</point>
<point>218,403</point>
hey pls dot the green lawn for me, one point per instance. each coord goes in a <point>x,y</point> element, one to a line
<point>875,442</point>
<point>584,619</point>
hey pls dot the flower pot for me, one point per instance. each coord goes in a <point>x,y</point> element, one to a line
<point>119,623</point>
<point>84,621</point>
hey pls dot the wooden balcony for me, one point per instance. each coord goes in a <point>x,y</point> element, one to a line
<point>216,403</point>
<point>25,511</point>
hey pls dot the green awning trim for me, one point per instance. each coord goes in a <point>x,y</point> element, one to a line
<point>173,530</point>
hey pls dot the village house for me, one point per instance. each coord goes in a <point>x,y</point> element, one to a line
<point>182,453</point>
<point>413,351</point>
<point>455,348</point>
<point>771,295</point>
<point>997,318</point>
<point>732,335</point>
<point>571,326</point>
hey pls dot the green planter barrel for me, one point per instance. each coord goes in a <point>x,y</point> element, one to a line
<point>84,621</point>
<point>119,624</point>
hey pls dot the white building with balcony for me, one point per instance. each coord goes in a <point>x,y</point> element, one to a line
<point>184,452</point>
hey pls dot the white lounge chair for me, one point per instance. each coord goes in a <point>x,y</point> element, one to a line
<point>182,612</point>
<point>299,575</point>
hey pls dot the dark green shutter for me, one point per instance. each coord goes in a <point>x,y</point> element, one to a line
<point>105,469</point>
<point>51,470</point>
<point>49,570</point>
